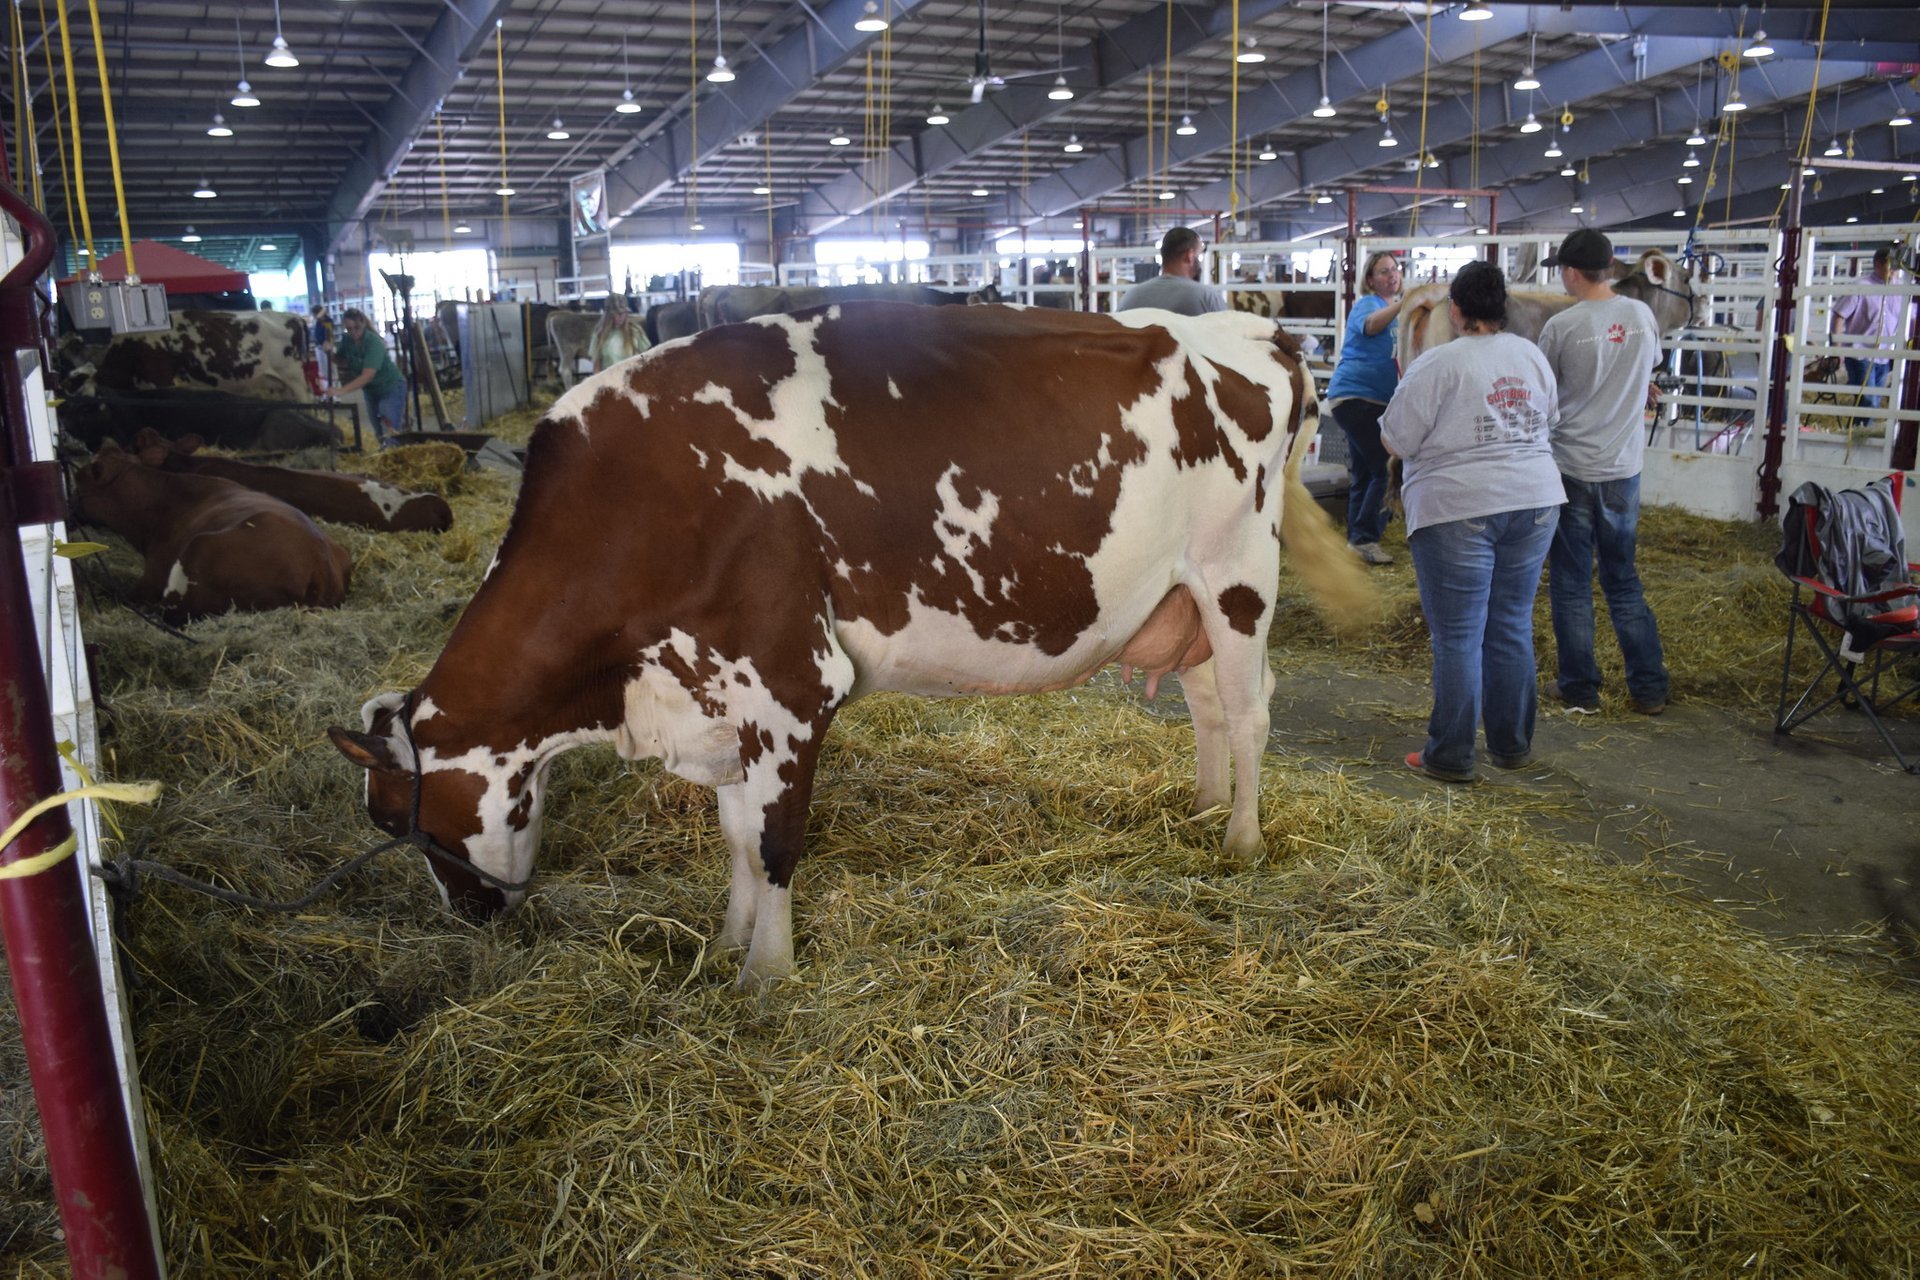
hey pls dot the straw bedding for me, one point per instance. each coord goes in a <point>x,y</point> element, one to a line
<point>1042,1026</point>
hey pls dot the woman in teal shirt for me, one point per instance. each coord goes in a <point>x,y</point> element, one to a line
<point>361,358</point>
<point>1363,383</point>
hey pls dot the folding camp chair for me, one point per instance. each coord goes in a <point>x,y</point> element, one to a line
<point>1854,596</point>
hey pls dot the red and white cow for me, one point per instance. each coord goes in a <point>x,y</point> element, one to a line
<point>722,541</point>
<point>325,495</point>
<point>210,545</point>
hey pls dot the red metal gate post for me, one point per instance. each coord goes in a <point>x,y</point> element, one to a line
<point>1777,375</point>
<point>1351,266</point>
<point>43,917</point>
<point>1907,433</point>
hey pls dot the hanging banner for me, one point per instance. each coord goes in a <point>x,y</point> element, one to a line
<point>588,200</point>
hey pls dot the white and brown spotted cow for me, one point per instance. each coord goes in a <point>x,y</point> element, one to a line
<point>722,541</point>
<point>246,353</point>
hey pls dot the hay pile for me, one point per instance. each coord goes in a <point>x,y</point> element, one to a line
<point>1042,1026</point>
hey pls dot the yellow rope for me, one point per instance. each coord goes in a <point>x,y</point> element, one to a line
<point>1149,194</point>
<point>500,95</point>
<point>1233,122</point>
<point>767,137</point>
<point>440,148</point>
<point>1473,146</point>
<point>21,135</point>
<point>59,138</point>
<point>693,93</point>
<point>1813,95</point>
<point>113,138</point>
<point>73,116</point>
<point>1420,153</point>
<point>1166,106</point>
<point>125,792</point>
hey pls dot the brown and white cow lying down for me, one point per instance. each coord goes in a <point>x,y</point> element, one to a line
<point>1666,289</point>
<point>210,545</point>
<point>325,495</point>
<point>722,541</point>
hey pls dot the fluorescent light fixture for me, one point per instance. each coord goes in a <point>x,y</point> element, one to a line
<point>1527,81</point>
<point>1759,48</point>
<point>280,55</point>
<point>937,116</point>
<point>870,19</point>
<point>191,237</point>
<point>218,129</point>
<point>721,73</point>
<point>626,106</point>
<point>1060,92</point>
<point>1248,53</point>
<point>559,131</point>
<point>1476,11</point>
<point>1325,110</point>
<point>1186,129</point>
<point>243,95</point>
<point>839,139</point>
<point>1073,146</point>
<point>1531,124</point>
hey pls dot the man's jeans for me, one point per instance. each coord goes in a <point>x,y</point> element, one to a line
<point>1478,579</point>
<point>1602,519</point>
<point>1868,373</point>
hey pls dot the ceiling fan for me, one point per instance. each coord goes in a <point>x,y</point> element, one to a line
<point>983,77</point>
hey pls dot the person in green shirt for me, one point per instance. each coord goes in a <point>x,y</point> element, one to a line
<point>361,363</point>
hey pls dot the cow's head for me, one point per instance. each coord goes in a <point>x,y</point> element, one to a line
<point>94,498</point>
<point>480,807</point>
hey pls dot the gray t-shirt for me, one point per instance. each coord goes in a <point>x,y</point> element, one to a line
<point>1472,419</point>
<point>1602,354</point>
<point>1174,293</point>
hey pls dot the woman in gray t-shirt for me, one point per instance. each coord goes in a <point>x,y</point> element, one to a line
<point>1471,420</point>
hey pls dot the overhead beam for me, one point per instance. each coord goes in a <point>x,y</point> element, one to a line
<point>1114,58</point>
<point>458,36</point>
<point>763,86</point>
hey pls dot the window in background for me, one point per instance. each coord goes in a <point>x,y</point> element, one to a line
<point>855,261</point>
<point>448,273</point>
<point>718,262</point>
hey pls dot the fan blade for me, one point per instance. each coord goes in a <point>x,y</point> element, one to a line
<point>1024,75</point>
<point>979,90</point>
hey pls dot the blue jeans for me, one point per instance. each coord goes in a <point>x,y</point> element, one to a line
<point>1602,521</point>
<point>386,414</point>
<point>1366,470</point>
<point>1868,373</point>
<point>1478,579</point>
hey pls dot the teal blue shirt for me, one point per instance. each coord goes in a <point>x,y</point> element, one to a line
<point>1366,367</point>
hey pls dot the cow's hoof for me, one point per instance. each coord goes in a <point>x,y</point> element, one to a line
<point>1207,804</point>
<point>1246,846</point>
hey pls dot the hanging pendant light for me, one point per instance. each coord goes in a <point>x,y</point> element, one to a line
<point>839,139</point>
<point>1060,92</point>
<point>979,191</point>
<point>1476,11</point>
<point>1325,109</point>
<point>269,247</point>
<point>218,129</point>
<point>504,190</point>
<point>1248,53</point>
<point>461,228</point>
<point>204,191</point>
<point>1528,81</point>
<point>1459,204</point>
<point>1387,139</point>
<point>191,237</point>
<point>1733,104</point>
<point>763,190</point>
<point>1833,148</point>
<point>626,106</point>
<point>1531,124</point>
<point>937,116</point>
<point>1759,48</point>
<point>1553,151</point>
<point>280,55</point>
<point>1166,195</point>
<point>1268,153</point>
<point>1685,180</point>
<point>870,19</point>
<point>559,131</point>
<point>721,73</point>
<point>1186,129</point>
<point>1696,138</point>
<point>1073,146</point>
<point>1567,170</point>
<point>1691,162</point>
<point>1323,198</point>
<point>242,92</point>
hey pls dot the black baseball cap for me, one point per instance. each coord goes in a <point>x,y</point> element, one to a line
<point>1586,248</point>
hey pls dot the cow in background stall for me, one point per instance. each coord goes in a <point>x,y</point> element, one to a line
<point>210,545</point>
<point>1655,280</point>
<point>732,303</point>
<point>853,499</point>
<point>229,421</point>
<point>601,338</point>
<point>261,354</point>
<point>325,495</point>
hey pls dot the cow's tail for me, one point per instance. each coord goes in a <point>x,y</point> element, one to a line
<point>1317,547</point>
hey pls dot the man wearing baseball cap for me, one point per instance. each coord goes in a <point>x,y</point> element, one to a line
<point>1602,350</point>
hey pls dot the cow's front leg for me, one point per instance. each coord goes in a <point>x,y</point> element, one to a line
<point>765,821</point>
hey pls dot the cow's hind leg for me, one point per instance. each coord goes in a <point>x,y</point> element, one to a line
<point>1212,786</point>
<point>1244,683</point>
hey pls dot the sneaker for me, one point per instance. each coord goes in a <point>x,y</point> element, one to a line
<point>1372,553</point>
<point>1649,706</point>
<point>1582,705</point>
<point>1417,762</point>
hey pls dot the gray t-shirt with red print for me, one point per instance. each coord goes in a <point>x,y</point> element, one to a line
<point>1603,355</point>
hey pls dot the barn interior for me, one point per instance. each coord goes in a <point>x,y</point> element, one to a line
<point>1647,1007</point>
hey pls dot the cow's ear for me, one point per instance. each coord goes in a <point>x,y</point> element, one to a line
<point>1658,268</point>
<point>154,455</point>
<point>365,750</point>
<point>188,444</point>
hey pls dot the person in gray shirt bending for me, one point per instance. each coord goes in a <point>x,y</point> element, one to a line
<point>1603,350</point>
<point>1177,288</point>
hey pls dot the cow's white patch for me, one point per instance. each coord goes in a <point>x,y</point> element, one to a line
<point>424,712</point>
<point>384,496</point>
<point>177,583</point>
<point>893,389</point>
<point>500,848</point>
<point>491,565</point>
<point>663,722</point>
<point>959,526</point>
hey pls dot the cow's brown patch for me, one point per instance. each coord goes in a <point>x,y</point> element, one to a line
<point>1243,607</point>
<point>1201,439</point>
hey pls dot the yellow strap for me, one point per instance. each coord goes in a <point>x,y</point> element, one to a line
<point>78,550</point>
<point>73,115</point>
<point>125,792</point>
<point>113,139</point>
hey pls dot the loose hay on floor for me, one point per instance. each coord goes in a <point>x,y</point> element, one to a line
<point>1042,1025</point>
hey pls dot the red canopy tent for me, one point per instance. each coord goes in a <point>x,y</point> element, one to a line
<point>179,271</point>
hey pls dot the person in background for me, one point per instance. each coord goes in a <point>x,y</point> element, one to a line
<point>1871,320</point>
<point>1603,350</point>
<point>1362,384</point>
<point>1177,287</point>
<point>1471,419</point>
<point>361,358</point>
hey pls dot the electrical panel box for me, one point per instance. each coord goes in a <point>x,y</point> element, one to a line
<point>116,305</point>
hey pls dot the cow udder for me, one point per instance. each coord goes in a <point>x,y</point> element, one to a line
<point>1171,639</point>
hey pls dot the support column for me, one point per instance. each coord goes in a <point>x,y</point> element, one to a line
<point>1778,379</point>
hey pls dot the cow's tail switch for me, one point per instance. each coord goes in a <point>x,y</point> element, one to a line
<point>1318,547</point>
